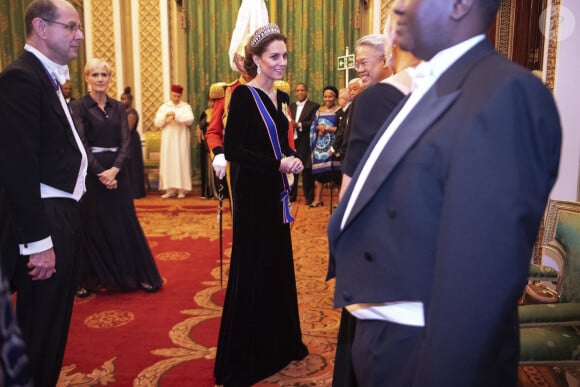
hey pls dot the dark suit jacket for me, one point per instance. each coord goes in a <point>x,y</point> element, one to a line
<point>37,145</point>
<point>449,216</point>
<point>368,112</point>
<point>342,132</point>
<point>302,143</point>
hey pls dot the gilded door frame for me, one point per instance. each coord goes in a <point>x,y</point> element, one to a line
<point>505,37</point>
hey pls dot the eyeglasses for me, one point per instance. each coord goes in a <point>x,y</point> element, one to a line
<point>364,64</point>
<point>72,27</point>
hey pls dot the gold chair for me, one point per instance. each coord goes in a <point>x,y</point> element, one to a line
<point>151,157</point>
<point>550,328</point>
<point>560,243</point>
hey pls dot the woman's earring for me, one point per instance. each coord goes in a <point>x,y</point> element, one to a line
<point>390,59</point>
<point>259,69</point>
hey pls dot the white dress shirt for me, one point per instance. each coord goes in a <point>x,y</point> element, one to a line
<point>299,108</point>
<point>403,312</point>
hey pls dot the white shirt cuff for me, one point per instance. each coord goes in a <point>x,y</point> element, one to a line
<point>403,312</point>
<point>35,247</point>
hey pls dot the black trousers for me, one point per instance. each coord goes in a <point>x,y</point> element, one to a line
<point>44,307</point>
<point>384,353</point>
<point>307,186</point>
<point>343,374</point>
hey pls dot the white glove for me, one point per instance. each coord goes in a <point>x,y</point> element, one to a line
<point>219,164</point>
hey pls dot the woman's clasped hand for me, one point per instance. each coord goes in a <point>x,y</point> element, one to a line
<point>291,165</point>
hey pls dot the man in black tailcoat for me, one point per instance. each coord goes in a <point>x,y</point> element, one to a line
<point>42,172</point>
<point>431,242</point>
<point>303,110</point>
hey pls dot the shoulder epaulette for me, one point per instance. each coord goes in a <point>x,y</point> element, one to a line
<point>216,90</point>
<point>232,83</point>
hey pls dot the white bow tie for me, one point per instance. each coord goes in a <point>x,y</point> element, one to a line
<point>300,103</point>
<point>421,73</point>
<point>61,74</point>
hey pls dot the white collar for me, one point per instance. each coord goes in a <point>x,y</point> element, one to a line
<point>445,58</point>
<point>431,70</point>
<point>58,71</point>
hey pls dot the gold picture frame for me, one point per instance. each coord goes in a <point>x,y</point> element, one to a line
<point>553,211</point>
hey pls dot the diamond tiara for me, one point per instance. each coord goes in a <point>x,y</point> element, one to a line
<point>264,31</point>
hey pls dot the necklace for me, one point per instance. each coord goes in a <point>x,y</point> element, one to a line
<point>271,94</point>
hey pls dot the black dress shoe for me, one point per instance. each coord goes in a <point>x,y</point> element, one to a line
<point>83,293</point>
<point>148,287</point>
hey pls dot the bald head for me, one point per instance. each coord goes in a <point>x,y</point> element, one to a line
<point>54,28</point>
<point>43,9</point>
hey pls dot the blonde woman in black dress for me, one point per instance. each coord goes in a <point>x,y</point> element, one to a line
<point>114,251</point>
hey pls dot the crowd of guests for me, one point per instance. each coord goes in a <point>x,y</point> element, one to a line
<point>410,174</point>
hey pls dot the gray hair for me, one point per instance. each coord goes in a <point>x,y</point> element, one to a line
<point>376,41</point>
<point>358,81</point>
<point>95,63</point>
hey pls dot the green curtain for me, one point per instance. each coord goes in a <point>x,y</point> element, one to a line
<point>209,26</point>
<point>12,30</point>
<point>13,38</point>
<point>317,30</point>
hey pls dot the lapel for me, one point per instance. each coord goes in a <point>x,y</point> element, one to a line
<point>313,107</point>
<point>293,110</point>
<point>304,113</point>
<point>343,117</point>
<point>49,88</point>
<point>434,104</point>
<point>348,115</point>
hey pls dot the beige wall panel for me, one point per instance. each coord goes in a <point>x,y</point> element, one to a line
<point>150,60</point>
<point>385,8</point>
<point>103,37</point>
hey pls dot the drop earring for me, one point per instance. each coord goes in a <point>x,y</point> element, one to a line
<point>259,69</point>
<point>390,59</point>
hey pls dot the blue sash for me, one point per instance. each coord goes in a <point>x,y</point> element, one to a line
<point>273,135</point>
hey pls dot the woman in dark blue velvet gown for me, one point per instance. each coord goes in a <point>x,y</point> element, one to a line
<point>260,327</point>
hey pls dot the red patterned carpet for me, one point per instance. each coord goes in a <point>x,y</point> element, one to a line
<point>168,338</point>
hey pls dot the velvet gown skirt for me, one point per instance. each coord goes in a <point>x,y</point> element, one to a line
<point>260,327</point>
<point>114,252</point>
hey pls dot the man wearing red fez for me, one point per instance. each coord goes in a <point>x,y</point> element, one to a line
<point>174,118</point>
